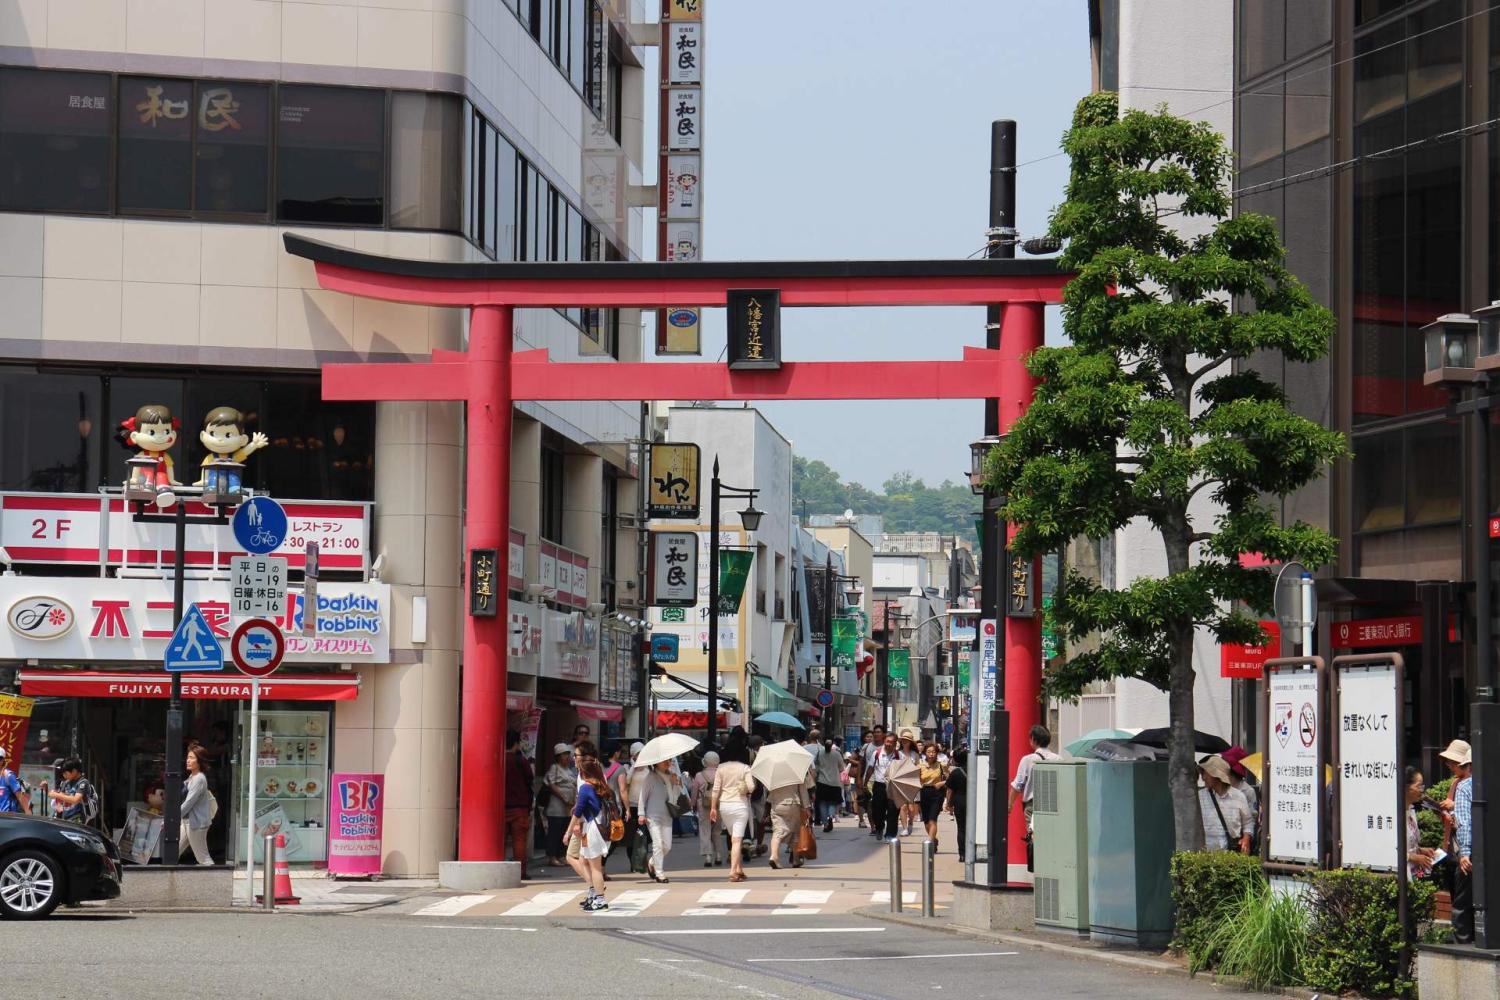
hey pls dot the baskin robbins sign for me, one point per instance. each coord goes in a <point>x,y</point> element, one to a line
<point>355,824</point>
<point>83,620</point>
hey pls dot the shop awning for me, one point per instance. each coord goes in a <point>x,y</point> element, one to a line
<point>768,696</point>
<point>229,685</point>
<point>599,711</point>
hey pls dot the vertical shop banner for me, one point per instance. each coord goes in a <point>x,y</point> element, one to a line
<point>356,824</point>
<point>673,569</point>
<point>1294,767</point>
<point>846,636</point>
<point>684,187</point>
<point>1241,662</point>
<point>989,657</point>
<point>680,162</point>
<point>529,732</point>
<point>818,611</point>
<point>673,489</point>
<point>898,669</point>
<point>15,718</point>
<point>1369,769</point>
<point>963,671</point>
<point>734,571</point>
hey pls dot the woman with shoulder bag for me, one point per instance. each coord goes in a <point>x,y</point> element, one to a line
<point>657,790</point>
<point>593,844</point>
<point>729,803</point>
<point>934,776</point>
<point>198,806</point>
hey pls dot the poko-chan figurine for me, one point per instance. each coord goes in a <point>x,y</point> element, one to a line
<point>228,447</point>
<point>153,430</point>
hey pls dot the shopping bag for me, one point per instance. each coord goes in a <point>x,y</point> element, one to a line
<point>640,851</point>
<point>807,843</point>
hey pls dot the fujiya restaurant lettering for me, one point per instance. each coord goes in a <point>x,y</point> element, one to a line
<point>131,620</point>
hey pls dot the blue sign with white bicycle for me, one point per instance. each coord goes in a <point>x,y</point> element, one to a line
<point>664,648</point>
<point>260,525</point>
<point>193,646</point>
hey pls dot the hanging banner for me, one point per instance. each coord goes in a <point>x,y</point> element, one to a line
<point>734,571</point>
<point>963,670</point>
<point>846,637</point>
<point>673,570</point>
<point>15,718</point>
<point>1369,768</point>
<point>818,611</point>
<point>672,493</point>
<point>1293,787</point>
<point>679,163</point>
<point>898,669</point>
<point>989,658</point>
<point>684,197</point>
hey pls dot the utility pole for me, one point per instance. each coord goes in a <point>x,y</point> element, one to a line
<point>828,629</point>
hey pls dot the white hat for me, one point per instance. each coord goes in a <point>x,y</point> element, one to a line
<point>711,759</point>
<point>1217,767</point>
<point>562,748</point>
<point>1458,752</point>
<point>636,748</point>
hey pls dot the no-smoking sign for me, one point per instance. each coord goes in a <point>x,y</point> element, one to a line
<point>1307,725</point>
<point>257,647</point>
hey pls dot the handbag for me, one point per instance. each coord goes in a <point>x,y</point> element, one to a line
<point>807,843</point>
<point>640,852</point>
<point>682,806</point>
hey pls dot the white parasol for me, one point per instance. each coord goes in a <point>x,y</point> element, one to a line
<point>781,764</point>
<point>665,747</point>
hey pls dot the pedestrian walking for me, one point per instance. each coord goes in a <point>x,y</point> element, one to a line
<point>561,786</point>
<point>729,803</point>
<point>13,797</point>
<point>957,794</point>
<point>909,751</point>
<point>708,827</point>
<point>75,800</point>
<point>1459,758</point>
<point>519,795</point>
<point>789,813</point>
<point>934,775</point>
<point>885,815</point>
<point>875,743</point>
<point>1020,787</point>
<point>760,806</point>
<point>859,789</point>
<point>828,768</point>
<point>1242,781</point>
<point>586,834</point>
<point>198,807</point>
<point>659,786</point>
<point>629,778</point>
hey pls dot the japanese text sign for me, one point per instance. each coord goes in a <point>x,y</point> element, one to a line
<point>1249,662</point>
<point>484,583</point>
<point>674,569</point>
<point>1369,722</point>
<point>672,492</point>
<point>15,717</point>
<point>1294,765</point>
<point>1377,632</point>
<point>356,824</point>
<point>754,317</point>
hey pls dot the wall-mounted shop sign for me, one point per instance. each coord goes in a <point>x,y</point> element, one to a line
<point>673,569</point>
<point>484,583</point>
<point>754,328</point>
<point>77,529</point>
<point>1021,599</point>
<point>130,620</point>
<point>672,493</point>
<point>564,571</point>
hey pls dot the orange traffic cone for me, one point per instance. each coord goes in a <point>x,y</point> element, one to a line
<point>284,895</point>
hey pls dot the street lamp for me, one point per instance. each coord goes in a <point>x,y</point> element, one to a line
<point>1459,353</point>
<point>978,452</point>
<point>750,519</point>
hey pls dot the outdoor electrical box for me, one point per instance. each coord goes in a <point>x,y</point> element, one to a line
<point>1131,838</point>
<point>1059,814</point>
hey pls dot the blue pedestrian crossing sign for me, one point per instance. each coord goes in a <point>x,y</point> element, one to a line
<point>260,525</point>
<point>193,646</point>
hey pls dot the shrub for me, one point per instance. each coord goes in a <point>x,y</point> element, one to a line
<point>1207,886</point>
<point>1429,822</point>
<point>1263,941</point>
<point>1354,938</point>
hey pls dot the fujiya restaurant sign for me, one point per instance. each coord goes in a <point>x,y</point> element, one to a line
<point>1382,633</point>
<point>84,530</point>
<point>87,620</point>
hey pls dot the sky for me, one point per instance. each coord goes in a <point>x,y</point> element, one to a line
<point>844,129</point>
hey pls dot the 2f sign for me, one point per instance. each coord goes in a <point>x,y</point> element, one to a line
<point>51,529</point>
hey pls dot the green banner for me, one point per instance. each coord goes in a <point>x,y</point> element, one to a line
<point>963,672</point>
<point>734,570</point>
<point>846,635</point>
<point>898,669</point>
<point>1050,645</point>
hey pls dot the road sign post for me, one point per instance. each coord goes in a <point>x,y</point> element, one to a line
<point>257,648</point>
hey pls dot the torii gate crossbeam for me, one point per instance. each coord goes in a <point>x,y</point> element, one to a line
<point>489,377</point>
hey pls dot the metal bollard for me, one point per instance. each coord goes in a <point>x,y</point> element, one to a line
<point>268,875</point>
<point>895,874</point>
<point>929,865</point>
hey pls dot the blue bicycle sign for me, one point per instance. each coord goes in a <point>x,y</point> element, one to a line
<point>260,525</point>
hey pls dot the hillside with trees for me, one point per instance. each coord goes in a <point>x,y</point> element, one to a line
<point>906,502</point>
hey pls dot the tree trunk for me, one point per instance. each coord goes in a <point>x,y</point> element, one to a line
<point>1182,766</point>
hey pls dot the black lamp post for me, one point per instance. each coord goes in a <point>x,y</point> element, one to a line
<point>750,520</point>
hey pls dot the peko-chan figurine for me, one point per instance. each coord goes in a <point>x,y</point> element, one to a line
<point>153,430</point>
<point>228,447</point>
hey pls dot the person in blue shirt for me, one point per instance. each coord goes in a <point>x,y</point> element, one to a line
<point>588,814</point>
<point>75,799</point>
<point>13,797</point>
<point>1459,758</point>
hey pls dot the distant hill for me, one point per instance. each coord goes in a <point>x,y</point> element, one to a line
<point>906,503</point>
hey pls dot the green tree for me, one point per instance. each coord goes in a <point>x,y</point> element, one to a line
<point>907,504</point>
<point>1149,415</point>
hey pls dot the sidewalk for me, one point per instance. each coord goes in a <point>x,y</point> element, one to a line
<point>322,893</point>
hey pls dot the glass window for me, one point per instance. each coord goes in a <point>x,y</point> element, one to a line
<point>488,222</point>
<point>127,394</point>
<point>1369,10</point>
<point>53,429</point>
<point>579,25</point>
<point>155,165</point>
<point>1379,73</point>
<point>552,495</point>
<point>1260,121</point>
<point>1433,451</point>
<point>233,155</point>
<point>1262,36</point>
<point>207,394</point>
<point>507,195</point>
<point>425,161</point>
<point>1308,25</point>
<point>1309,102</point>
<point>1379,481</point>
<point>54,140</point>
<point>318,450</point>
<point>330,153</point>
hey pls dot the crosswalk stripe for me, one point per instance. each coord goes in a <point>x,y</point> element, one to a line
<point>805,897</point>
<point>796,911</point>
<point>542,904</point>
<point>452,906</point>
<point>723,897</point>
<point>629,904</point>
<point>884,896</point>
<point>706,911</point>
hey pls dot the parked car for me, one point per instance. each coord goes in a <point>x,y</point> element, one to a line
<point>44,862</point>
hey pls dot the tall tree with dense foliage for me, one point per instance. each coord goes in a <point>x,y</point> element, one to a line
<point>1150,415</point>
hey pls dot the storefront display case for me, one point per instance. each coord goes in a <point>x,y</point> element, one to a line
<point>291,748</point>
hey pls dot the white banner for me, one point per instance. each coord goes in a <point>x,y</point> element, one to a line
<point>674,568</point>
<point>86,620</point>
<point>684,55</point>
<point>684,119</point>
<point>989,645</point>
<point>1294,772</point>
<point>1369,774</point>
<point>684,186</point>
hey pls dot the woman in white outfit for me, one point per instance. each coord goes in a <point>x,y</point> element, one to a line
<point>708,830</point>
<point>729,804</point>
<point>198,807</point>
<point>659,785</point>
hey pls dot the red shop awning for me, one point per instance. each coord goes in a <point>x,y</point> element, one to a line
<point>599,711</point>
<point>228,685</point>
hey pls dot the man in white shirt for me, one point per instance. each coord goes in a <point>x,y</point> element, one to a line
<point>867,753</point>
<point>1226,817</point>
<point>1020,788</point>
<point>884,814</point>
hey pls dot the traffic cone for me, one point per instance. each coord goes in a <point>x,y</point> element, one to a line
<point>284,895</point>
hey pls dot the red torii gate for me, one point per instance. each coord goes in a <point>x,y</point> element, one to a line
<point>489,377</point>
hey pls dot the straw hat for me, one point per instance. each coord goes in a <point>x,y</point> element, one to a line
<point>1216,767</point>
<point>1459,753</point>
<point>561,748</point>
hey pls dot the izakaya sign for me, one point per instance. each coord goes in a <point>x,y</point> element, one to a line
<point>88,620</point>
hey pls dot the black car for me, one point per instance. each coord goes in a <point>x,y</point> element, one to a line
<point>44,862</point>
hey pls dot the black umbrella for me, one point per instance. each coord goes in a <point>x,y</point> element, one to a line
<point>1202,742</point>
<point>1122,750</point>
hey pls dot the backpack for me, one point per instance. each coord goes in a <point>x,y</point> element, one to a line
<point>89,803</point>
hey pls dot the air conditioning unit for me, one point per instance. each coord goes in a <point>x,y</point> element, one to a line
<point>1059,811</point>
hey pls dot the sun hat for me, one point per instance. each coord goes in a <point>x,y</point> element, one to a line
<point>1216,767</point>
<point>636,748</point>
<point>1233,756</point>
<point>561,749</point>
<point>1458,752</point>
<point>711,759</point>
<point>909,734</point>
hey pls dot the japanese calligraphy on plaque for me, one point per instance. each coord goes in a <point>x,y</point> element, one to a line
<point>673,569</point>
<point>754,328</point>
<point>484,583</point>
<point>1020,601</point>
<point>672,493</point>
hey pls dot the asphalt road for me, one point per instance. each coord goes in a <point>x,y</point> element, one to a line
<point>286,956</point>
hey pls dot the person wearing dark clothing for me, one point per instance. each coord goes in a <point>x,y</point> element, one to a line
<point>958,797</point>
<point>885,815</point>
<point>518,799</point>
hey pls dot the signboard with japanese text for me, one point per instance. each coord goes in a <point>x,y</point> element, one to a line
<point>356,823</point>
<point>734,573</point>
<point>565,572</point>
<point>846,640</point>
<point>257,587</point>
<point>1380,633</point>
<point>678,331</point>
<point>684,53</point>
<point>1243,662</point>
<point>754,328</point>
<point>88,530</point>
<point>515,565</point>
<point>673,490</point>
<point>680,177</point>
<point>1368,715</point>
<point>484,583</point>
<point>130,620</point>
<point>684,120</point>
<point>819,614</point>
<point>684,242</point>
<point>15,718</point>
<point>691,624</point>
<point>684,187</point>
<point>673,569</point>
<point>1021,589</point>
<point>1293,786</point>
<point>898,669</point>
<point>989,659</point>
<point>942,685</point>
